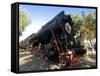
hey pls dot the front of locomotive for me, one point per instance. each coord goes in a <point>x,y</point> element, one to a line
<point>68,42</point>
<point>67,39</point>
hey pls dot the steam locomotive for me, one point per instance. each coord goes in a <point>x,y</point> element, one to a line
<point>56,39</point>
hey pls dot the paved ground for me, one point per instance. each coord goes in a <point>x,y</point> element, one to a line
<point>30,62</point>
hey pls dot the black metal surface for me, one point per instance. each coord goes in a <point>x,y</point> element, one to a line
<point>56,24</point>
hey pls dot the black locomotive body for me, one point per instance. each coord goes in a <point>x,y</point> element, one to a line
<point>56,38</point>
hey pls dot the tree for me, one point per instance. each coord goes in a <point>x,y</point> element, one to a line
<point>77,27</point>
<point>90,29</point>
<point>85,28</point>
<point>24,20</point>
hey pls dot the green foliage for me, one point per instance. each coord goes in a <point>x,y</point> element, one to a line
<point>90,26</point>
<point>24,20</point>
<point>77,26</point>
<point>78,23</point>
<point>84,27</point>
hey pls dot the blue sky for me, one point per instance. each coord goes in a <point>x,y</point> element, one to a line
<point>40,15</point>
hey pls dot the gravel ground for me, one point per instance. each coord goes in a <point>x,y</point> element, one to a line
<point>31,62</point>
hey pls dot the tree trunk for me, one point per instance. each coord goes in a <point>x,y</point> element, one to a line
<point>92,46</point>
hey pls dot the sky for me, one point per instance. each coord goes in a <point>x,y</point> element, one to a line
<point>40,15</point>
